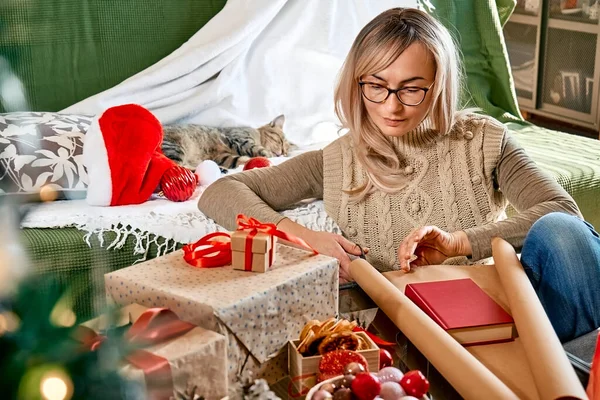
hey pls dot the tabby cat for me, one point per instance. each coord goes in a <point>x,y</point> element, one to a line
<point>189,144</point>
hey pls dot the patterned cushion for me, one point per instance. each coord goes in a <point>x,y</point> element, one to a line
<point>39,149</point>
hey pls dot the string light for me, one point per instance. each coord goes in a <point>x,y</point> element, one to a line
<point>56,385</point>
<point>3,325</point>
<point>47,193</point>
<point>9,322</point>
<point>65,319</point>
<point>54,389</point>
<point>62,314</point>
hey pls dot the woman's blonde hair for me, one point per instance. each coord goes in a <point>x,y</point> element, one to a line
<point>377,46</point>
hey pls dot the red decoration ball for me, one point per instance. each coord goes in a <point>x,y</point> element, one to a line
<point>385,359</point>
<point>333,363</point>
<point>257,162</point>
<point>366,386</point>
<point>414,383</point>
<point>178,183</point>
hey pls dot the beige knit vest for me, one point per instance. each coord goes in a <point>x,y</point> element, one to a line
<point>451,185</point>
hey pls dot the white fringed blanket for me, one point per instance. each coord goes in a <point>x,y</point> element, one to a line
<point>157,221</point>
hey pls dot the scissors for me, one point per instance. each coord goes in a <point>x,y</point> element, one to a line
<point>351,285</point>
<point>362,252</point>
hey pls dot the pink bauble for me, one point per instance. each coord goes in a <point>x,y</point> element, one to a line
<point>390,374</point>
<point>391,391</point>
<point>322,395</point>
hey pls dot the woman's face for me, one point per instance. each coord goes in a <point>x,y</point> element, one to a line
<point>413,70</point>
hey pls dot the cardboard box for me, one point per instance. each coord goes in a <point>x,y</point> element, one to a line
<point>197,350</point>
<point>304,370</point>
<point>258,313</point>
<point>262,249</point>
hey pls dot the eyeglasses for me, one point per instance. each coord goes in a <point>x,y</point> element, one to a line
<point>407,95</point>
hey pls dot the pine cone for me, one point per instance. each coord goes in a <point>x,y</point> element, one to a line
<point>248,388</point>
<point>260,391</point>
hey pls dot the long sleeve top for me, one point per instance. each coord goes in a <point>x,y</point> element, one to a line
<point>460,181</point>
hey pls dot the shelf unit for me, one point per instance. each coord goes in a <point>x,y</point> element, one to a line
<point>554,51</point>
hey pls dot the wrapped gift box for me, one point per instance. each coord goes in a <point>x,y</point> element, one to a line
<point>197,350</point>
<point>260,252</point>
<point>259,313</point>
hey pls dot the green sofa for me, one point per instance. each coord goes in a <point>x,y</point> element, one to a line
<point>65,50</point>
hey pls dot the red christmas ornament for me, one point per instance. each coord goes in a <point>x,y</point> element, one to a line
<point>385,359</point>
<point>257,162</point>
<point>333,363</point>
<point>414,383</point>
<point>178,183</point>
<point>366,386</point>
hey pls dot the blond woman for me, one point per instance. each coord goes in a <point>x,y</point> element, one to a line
<point>415,176</point>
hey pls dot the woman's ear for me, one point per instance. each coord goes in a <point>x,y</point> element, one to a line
<point>278,122</point>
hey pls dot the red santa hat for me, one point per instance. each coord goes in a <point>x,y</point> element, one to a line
<point>123,157</point>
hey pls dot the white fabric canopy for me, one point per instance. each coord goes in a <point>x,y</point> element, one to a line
<point>254,60</point>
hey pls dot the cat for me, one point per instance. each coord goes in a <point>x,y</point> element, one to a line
<point>189,144</point>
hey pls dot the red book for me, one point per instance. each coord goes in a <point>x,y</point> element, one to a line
<point>465,311</point>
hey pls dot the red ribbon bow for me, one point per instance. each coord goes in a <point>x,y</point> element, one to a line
<point>253,226</point>
<point>214,253</point>
<point>376,339</point>
<point>217,252</point>
<point>154,326</point>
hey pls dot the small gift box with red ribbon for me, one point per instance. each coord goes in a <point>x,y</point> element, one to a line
<point>169,355</point>
<point>252,247</point>
<point>253,244</point>
<point>252,250</point>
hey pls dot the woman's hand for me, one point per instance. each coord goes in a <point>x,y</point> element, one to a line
<point>429,245</point>
<point>325,243</point>
<point>336,246</point>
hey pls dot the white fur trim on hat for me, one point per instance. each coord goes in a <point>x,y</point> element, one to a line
<point>95,159</point>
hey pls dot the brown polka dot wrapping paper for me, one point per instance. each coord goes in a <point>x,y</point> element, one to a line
<point>258,313</point>
<point>186,354</point>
